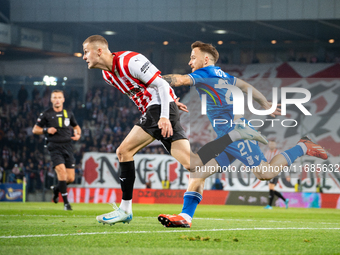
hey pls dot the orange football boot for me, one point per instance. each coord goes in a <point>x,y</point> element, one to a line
<point>313,149</point>
<point>173,221</point>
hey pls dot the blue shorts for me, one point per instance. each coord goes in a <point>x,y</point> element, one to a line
<point>247,151</point>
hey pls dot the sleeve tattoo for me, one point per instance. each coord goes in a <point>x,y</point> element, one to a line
<point>171,79</point>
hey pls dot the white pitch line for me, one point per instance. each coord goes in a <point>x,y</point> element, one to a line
<point>164,231</point>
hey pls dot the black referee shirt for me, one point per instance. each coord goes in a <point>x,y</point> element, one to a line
<point>63,121</point>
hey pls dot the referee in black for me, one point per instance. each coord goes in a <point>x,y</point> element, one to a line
<point>60,128</point>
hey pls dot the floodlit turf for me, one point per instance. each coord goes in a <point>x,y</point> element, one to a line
<point>44,228</point>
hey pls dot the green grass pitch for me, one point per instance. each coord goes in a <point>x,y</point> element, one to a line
<point>44,228</point>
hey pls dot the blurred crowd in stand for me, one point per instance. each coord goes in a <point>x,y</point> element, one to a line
<point>105,116</point>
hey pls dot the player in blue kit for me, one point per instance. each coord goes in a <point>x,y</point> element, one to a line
<point>216,87</point>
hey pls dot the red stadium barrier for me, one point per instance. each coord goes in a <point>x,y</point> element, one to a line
<point>330,201</point>
<point>210,197</point>
<point>143,196</point>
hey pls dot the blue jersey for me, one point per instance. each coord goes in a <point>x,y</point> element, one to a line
<point>209,81</point>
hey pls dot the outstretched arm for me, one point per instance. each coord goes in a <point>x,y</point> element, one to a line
<point>257,96</point>
<point>176,80</point>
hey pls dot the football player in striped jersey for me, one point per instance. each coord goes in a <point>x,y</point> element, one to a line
<point>135,76</point>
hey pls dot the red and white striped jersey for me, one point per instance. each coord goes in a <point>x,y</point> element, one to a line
<point>270,154</point>
<point>133,74</point>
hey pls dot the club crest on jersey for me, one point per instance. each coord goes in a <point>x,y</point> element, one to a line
<point>124,79</point>
<point>132,92</point>
<point>67,122</point>
<point>250,160</point>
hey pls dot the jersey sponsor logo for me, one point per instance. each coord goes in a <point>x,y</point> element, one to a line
<point>210,94</point>
<point>250,160</point>
<point>145,67</point>
<point>67,122</point>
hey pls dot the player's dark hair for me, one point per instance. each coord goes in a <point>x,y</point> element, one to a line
<point>208,48</point>
<point>96,38</point>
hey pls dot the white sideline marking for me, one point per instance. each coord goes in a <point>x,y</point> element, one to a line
<point>165,231</point>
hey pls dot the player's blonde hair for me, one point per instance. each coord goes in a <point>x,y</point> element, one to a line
<point>96,38</point>
<point>208,48</point>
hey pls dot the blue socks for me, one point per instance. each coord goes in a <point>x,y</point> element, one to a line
<point>293,153</point>
<point>191,200</point>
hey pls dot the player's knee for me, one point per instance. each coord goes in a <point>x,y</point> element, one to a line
<point>196,184</point>
<point>195,163</point>
<point>70,179</point>
<point>187,166</point>
<point>197,181</point>
<point>121,153</point>
<point>191,167</point>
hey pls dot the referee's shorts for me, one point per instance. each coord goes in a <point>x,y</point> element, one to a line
<point>274,180</point>
<point>61,153</point>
